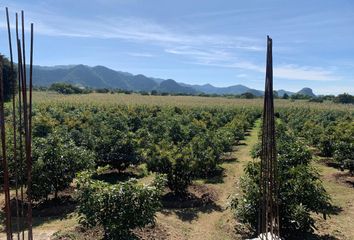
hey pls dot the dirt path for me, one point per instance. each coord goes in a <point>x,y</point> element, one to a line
<point>340,225</point>
<point>213,223</point>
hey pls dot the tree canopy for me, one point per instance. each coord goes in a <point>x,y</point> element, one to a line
<point>9,77</point>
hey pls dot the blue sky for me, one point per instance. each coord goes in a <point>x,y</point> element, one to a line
<point>199,41</point>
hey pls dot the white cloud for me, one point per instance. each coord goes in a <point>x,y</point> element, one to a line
<point>211,50</point>
<point>292,72</point>
<point>203,56</point>
<point>282,71</point>
<point>138,54</point>
<point>333,89</point>
<point>241,75</point>
<point>304,73</point>
<point>50,23</point>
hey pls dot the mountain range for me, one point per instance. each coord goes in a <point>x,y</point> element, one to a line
<point>103,77</point>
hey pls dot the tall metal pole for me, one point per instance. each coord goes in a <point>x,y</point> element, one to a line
<point>4,158</point>
<point>25,123</point>
<point>29,150</point>
<point>21,124</point>
<point>17,170</point>
<point>268,226</point>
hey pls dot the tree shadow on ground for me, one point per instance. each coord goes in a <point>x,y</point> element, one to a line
<point>115,176</point>
<point>190,214</point>
<point>216,176</point>
<point>330,163</point>
<point>334,210</point>
<point>43,212</point>
<point>350,183</point>
<point>345,177</point>
<point>229,158</point>
<point>215,179</point>
<point>241,144</point>
<point>188,206</point>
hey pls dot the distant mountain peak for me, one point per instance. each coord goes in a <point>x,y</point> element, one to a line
<point>306,91</point>
<point>171,86</point>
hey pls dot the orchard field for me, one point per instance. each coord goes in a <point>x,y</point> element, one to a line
<point>128,166</point>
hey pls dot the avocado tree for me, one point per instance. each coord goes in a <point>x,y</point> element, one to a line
<point>300,190</point>
<point>118,208</point>
<point>176,163</point>
<point>9,78</point>
<point>56,161</point>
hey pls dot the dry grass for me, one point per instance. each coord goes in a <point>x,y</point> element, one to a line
<point>340,225</point>
<point>187,101</point>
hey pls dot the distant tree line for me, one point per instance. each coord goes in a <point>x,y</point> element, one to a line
<point>67,88</point>
<point>344,98</point>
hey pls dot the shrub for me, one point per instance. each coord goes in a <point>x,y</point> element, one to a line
<point>116,148</point>
<point>43,125</point>
<point>226,139</point>
<point>326,145</point>
<point>118,208</point>
<point>9,78</point>
<point>176,164</point>
<point>247,95</point>
<point>238,127</point>
<point>179,175</point>
<point>300,190</point>
<point>56,161</point>
<point>66,88</point>
<point>205,152</point>
<point>349,164</point>
<point>285,96</point>
<point>102,90</point>
<point>345,98</point>
<point>159,159</point>
<point>316,99</point>
<point>344,145</point>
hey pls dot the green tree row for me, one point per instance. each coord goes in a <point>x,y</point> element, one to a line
<point>301,193</point>
<point>331,132</point>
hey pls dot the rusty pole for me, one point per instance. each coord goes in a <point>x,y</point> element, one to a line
<point>14,127</point>
<point>29,143</point>
<point>268,225</point>
<point>20,128</point>
<point>4,158</point>
<point>26,119</point>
